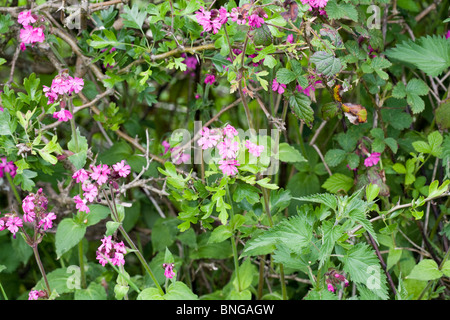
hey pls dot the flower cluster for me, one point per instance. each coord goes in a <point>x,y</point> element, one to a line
<point>7,167</point>
<point>35,210</point>
<point>191,64</point>
<point>316,4</point>
<point>168,270</point>
<point>228,148</point>
<point>29,34</point>
<point>95,178</point>
<point>214,19</point>
<point>36,294</point>
<point>333,279</point>
<point>63,85</point>
<point>111,251</point>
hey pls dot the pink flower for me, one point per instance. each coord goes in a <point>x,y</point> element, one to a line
<point>100,173</point>
<point>228,167</point>
<point>31,35</point>
<point>310,88</point>
<point>62,115</point>
<point>28,208</point>
<point>330,288</point>
<point>13,224</point>
<point>7,167</point>
<point>211,20</point>
<point>180,157</point>
<point>25,18</point>
<point>230,131</point>
<point>168,270</point>
<point>47,221</point>
<point>90,191</point>
<point>80,204</point>
<point>210,78</point>
<point>290,38</point>
<point>122,169</point>
<point>2,224</point>
<point>110,251</point>
<point>166,146</point>
<point>447,36</point>
<point>255,21</point>
<point>237,17</point>
<point>278,87</point>
<point>372,159</point>
<point>228,148</point>
<point>75,84</point>
<point>36,294</point>
<point>209,139</point>
<point>80,176</point>
<point>60,85</point>
<point>254,149</point>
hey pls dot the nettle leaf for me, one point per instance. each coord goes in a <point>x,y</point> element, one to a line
<point>293,233</point>
<point>363,267</point>
<point>431,54</point>
<point>327,199</point>
<point>288,153</point>
<point>334,157</point>
<point>326,63</point>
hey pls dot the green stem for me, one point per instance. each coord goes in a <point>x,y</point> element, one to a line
<point>81,259</point>
<point>141,258</point>
<point>3,292</point>
<point>233,242</point>
<point>13,187</point>
<point>41,268</point>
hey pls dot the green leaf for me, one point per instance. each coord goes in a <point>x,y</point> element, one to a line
<point>372,191</point>
<point>425,270</point>
<point>179,291</point>
<point>219,234</point>
<point>5,127</point>
<point>285,76</point>
<point>68,234</point>
<point>94,291</point>
<point>435,140</point>
<point>334,157</point>
<point>341,10</point>
<point>133,18</point>
<point>289,154</point>
<point>246,272</point>
<point>97,213</point>
<point>421,146</point>
<point>249,192</point>
<point>301,107</point>
<point>338,182</point>
<point>326,63</point>
<point>431,54</point>
<point>25,180</point>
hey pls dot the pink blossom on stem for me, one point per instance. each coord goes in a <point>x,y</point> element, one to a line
<point>31,35</point>
<point>331,288</point>
<point>75,84</point>
<point>228,167</point>
<point>447,36</point>
<point>228,148</point>
<point>254,149</point>
<point>210,79</point>
<point>122,168</point>
<point>168,270</point>
<point>372,159</point>
<point>13,224</point>
<point>278,87</point>
<point>255,20</point>
<point>7,167</point>
<point>100,173</point>
<point>235,16</point>
<point>47,221</point>
<point>36,294</point>
<point>25,18</point>
<point>229,131</point>
<point>209,138</point>
<point>111,251</point>
<point>166,146</point>
<point>62,115</point>
<point>80,204</point>
<point>80,176</point>
<point>290,38</point>
<point>90,191</point>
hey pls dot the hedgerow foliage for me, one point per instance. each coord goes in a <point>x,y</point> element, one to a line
<point>224,149</point>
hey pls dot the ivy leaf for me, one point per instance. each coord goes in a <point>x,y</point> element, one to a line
<point>431,54</point>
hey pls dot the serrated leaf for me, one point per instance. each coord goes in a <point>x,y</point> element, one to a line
<point>431,54</point>
<point>338,182</point>
<point>326,63</point>
<point>341,10</point>
<point>334,157</point>
<point>301,107</point>
<point>133,18</point>
<point>288,153</point>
